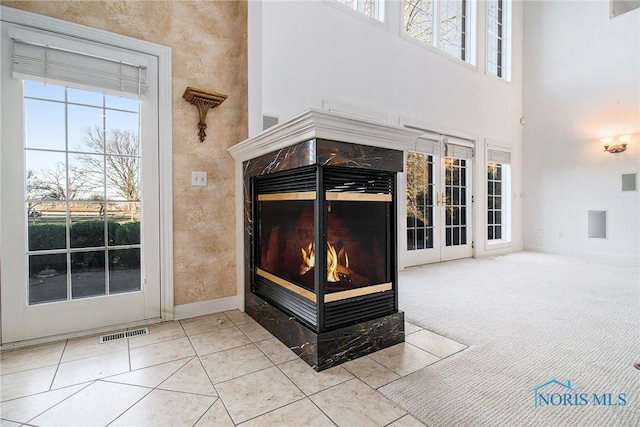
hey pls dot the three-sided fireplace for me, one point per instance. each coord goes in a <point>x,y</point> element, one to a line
<point>320,239</point>
<point>349,213</point>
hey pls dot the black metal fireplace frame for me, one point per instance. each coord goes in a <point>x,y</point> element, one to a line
<point>322,316</point>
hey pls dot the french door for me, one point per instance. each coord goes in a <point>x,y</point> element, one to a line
<point>80,194</point>
<point>438,210</point>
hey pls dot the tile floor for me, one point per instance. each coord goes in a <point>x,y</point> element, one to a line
<point>216,370</point>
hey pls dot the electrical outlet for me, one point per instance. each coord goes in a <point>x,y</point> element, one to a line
<point>198,179</point>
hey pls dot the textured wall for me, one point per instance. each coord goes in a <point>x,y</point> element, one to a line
<point>209,51</point>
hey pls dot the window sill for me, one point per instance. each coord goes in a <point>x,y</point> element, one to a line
<point>492,245</point>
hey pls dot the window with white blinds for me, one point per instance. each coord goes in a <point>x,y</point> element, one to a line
<point>49,59</point>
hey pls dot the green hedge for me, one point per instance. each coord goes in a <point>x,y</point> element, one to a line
<point>83,234</point>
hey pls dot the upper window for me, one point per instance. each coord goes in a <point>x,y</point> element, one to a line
<point>371,8</point>
<point>444,24</point>
<point>497,37</point>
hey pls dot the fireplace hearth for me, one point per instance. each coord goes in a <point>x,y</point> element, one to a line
<point>320,235</point>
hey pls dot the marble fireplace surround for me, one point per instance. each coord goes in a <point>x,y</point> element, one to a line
<point>311,138</point>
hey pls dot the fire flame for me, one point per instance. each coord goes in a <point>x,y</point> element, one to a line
<point>309,261</point>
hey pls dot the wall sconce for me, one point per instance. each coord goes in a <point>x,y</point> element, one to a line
<point>203,100</point>
<point>615,144</point>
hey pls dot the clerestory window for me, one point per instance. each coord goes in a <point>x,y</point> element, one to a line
<point>444,24</point>
<point>498,24</point>
<point>372,8</point>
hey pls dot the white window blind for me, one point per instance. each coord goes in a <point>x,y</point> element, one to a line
<point>52,64</point>
<point>428,146</point>
<point>458,151</point>
<point>502,157</point>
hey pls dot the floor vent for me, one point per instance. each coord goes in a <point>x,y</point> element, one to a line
<point>122,335</point>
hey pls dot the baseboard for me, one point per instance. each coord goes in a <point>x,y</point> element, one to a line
<point>201,308</point>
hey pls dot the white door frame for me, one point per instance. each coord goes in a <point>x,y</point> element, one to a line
<point>406,258</point>
<point>163,54</point>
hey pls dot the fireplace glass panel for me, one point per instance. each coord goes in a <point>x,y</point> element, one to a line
<point>285,234</point>
<point>357,246</point>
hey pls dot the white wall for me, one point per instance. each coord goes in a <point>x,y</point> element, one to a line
<point>315,52</point>
<point>581,83</point>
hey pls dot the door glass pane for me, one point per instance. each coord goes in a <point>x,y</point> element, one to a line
<point>419,201</point>
<point>87,274</point>
<point>85,127</point>
<point>74,167</point>
<point>44,124</point>
<point>47,278</point>
<point>43,91</point>
<point>87,225</point>
<point>47,226</point>
<point>455,201</point>
<point>85,97</point>
<point>124,270</point>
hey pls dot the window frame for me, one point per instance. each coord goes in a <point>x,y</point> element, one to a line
<point>470,41</point>
<point>506,40</point>
<point>378,20</point>
<point>506,201</point>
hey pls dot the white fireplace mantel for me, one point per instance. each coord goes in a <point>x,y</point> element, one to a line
<point>324,125</point>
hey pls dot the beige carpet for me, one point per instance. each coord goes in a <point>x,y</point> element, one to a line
<point>528,318</point>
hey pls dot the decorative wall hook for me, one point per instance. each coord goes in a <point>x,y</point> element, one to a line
<point>203,100</point>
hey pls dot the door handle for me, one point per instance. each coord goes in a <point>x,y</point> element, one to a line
<point>437,199</point>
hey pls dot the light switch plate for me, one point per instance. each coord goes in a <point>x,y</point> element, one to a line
<point>198,178</point>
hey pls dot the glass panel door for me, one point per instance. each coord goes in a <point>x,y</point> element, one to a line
<point>80,197</point>
<point>456,208</point>
<point>438,206</point>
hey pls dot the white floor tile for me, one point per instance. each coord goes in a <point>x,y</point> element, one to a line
<point>82,348</point>
<point>95,405</point>
<point>219,340</point>
<point>151,376</point>
<point>403,358</point>
<point>300,413</point>
<point>216,416</point>
<point>238,317</point>
<point>257,393</point>
<point>310,381</point>
<point>191,378</point>
<point>166,408</point>
<point>371,372</point>
<point>92,368</point>
<point>203,324</point>
<point>276,351</point>
<point>162,352</point>
<point>255,332</point>
<point>157,333</point>
<point>235,362</point>
<point>25,383</point>
<point>356,404</point>
<point>21,359</point>
<point>23,409</point>
<point>434,343</point>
